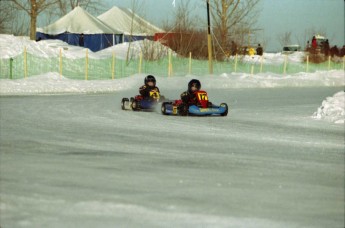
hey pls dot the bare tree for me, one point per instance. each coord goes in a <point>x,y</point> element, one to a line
<point>6,15</point>
<point>185,35</point>
<point>233,19</point>
<point>93,6</point>
<point>285,38</point>
<point>33,8</point>
<point>135,6</point>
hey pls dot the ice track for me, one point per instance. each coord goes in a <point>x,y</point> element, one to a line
<point>80,161</point>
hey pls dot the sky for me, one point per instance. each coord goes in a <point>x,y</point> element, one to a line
<point>300,17</point>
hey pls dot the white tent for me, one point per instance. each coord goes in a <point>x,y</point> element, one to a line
<point>78,21</point>
<point>78,27</point>
<point>129,23</point>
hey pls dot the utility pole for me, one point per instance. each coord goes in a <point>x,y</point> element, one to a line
<point>209,40</point>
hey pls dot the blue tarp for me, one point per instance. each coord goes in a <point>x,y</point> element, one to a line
<point>94,42</point>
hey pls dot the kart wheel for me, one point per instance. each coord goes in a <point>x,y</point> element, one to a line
<point>164,108</point>
<point>183,110</point>
<point>135,105</point>
<point>123,103</point>
<point>224,105</point>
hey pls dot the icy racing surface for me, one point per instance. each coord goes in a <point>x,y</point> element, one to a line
<point>80,161</point>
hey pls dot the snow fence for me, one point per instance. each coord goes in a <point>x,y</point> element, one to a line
<point>28,64</point>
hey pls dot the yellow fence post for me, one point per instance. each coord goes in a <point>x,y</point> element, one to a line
<point>329,62</point>
<point>261,62</point>
<point>169,64</point>
<point>113,67</point>
<point>285,64</point>
<point>344,63</point>
<point>140,61</point>
<point>307,70</point>
<point>25,64</point>
<point>235,63</point>
<point>252,70</point>
<point>86,64</point>
<point>60,63</point>
<point>190,63</point>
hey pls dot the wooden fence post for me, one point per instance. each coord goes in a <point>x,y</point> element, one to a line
<point>113,67</point>
<point>140,61</point>
<point>86,64</point>
<point>60,63</point>
<point>285,64</point>
<point>307,70</point>
<point>190,63</point>
<point>25,64</point>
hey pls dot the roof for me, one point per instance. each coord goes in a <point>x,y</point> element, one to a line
<point>78,21</point>
<point>128,23</point>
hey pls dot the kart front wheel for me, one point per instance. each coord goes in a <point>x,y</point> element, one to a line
<point>123,103</point>
<point>224,105</point>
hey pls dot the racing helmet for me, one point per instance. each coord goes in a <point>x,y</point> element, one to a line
<point>194,82</point>
<point>150,78</point>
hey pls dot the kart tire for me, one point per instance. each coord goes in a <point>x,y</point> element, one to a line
<point>164,108</point>
<point>226,109</point>
<point>124,100</point>
<point>135,105</point>
<point>183,110</point>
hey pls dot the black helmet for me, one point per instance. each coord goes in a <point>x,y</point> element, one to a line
<point>194,82</point>
<point>149,78</point>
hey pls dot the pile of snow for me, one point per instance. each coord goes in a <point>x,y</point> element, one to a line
<point>51,83</point>
<point>144,46</point>
<point>12,46</point>
<point>332,109</point>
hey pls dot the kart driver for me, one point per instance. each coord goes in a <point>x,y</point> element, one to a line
<point>188,97</point>
<point>149,90</point>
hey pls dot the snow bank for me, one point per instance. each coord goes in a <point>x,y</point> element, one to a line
<point>332,109</point>
<point>12,46</point>
<point>51,83</point>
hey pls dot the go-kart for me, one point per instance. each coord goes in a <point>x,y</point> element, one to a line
<point>139,103</point>
<point>202,108</point>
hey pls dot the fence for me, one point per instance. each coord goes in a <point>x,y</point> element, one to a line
<point>86,68</point>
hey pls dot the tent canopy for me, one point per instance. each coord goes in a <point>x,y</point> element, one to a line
<point>78,21</point>
<point>128,23</point>
<point>80,28</point>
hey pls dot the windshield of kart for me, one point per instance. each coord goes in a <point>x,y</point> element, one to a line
<point>202,98</point>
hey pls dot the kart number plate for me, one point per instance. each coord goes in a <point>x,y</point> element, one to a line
<point>174,110</point>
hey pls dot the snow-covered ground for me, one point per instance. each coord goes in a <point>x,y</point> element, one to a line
<point>80,161</point>
<point>70,157</point>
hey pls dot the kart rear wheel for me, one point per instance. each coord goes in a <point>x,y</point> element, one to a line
<point>123,103</point>
<point>183,109</point>
<point>226,109</point>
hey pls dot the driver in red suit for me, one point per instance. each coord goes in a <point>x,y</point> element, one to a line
<point>188,97</point>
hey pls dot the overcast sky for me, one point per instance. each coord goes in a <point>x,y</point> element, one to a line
<point>276,18</point>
